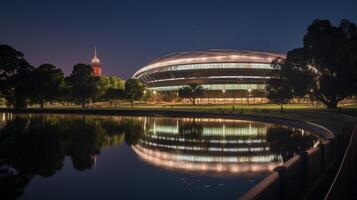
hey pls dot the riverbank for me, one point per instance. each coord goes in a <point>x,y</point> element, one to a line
<point>335,120</point>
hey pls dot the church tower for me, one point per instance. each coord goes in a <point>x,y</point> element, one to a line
<point>97,67</point>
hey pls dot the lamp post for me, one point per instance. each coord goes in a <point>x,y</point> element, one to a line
<point>250,91</point>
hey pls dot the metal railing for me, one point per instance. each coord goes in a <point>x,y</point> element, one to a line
<point>343,183</point>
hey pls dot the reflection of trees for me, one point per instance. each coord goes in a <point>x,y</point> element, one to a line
<point>38,146</point>
<point>12,184</point>
<point>133,129</point>
<point>288,141</point>
<point>190,129</point>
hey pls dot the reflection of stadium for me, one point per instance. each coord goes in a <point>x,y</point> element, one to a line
<point>229,75</point>
<point>207,145</point>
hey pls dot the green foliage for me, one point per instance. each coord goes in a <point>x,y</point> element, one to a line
<point>47,83</point>
<point>134,90</point>
<point>107,82</point>
<point>83,83</point>
<point>148,94</point>
<point>14,76</point>
<point>192,92</point>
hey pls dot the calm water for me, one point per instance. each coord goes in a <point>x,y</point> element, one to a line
<point>120,157</point>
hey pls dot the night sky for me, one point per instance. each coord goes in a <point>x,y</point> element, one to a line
<point>129,34</point>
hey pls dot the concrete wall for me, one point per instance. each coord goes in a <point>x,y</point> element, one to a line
<point>298,175</point>
<point>269,188</point>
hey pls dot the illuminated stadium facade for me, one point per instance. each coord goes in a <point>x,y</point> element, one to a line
<point>226,75</point>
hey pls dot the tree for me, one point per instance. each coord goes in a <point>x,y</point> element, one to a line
<point>299,81</point>
<point>279,91</point>
<point>14,73</point>
<point>47,82</point>
<point>326,64</point>
<point>113,95</point>
<point>148,94</point>
<point>134,90</point>
<point>83,83</point>
<point>107,82</point>
<point>192,92</point>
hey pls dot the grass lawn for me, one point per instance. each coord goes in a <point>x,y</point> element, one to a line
<point>320,115</point>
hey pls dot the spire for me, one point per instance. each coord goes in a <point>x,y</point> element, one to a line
<point>95,59</point>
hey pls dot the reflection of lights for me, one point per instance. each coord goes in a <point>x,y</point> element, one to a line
<point>210,149</point>
<point>171,160</point>
<point>208,159</point>
<point>213,141</point>
<point>213,131</point>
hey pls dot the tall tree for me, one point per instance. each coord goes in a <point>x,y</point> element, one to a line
<point>83,83</point>
<point>279,91</point>
<point>192,92</point>
<point>326,64</point>
<point>14,73</point>
<point>134,90</point>
<point>47,82</point>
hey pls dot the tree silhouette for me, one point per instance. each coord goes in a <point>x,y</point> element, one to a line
<point>47,82</point>
<point>83,83</point>
<point>113,95</point>
<point>279,91</point>
<point>134,90</point>
<point>14,73</point>
<point>192,92</point>
<point>326,64</point>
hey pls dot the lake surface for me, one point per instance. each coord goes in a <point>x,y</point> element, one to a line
<point>52,156</point>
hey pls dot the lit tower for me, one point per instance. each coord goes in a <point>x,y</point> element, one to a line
<point>97,67</point>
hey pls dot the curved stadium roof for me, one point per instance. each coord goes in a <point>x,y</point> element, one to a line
<point>210,56</point>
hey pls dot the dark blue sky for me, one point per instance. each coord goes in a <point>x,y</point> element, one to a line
<point>130,33</point>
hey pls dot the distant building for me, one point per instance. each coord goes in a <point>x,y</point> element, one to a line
<point>97,67</point>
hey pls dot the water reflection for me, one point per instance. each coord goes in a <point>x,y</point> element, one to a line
<point>36,145</point>
<point>33,145</point>
<point>222,147</point>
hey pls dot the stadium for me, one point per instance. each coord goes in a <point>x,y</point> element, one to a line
<point>227,76</point>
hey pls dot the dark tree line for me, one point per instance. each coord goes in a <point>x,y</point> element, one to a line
<point>22,84</point>
<point>324,69</point>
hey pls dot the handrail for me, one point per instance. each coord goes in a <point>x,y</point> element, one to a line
<point>343,162</point>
